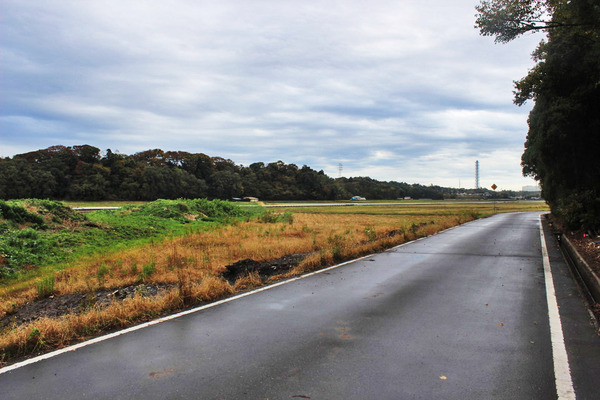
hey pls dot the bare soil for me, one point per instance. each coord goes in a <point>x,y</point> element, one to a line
<point>265,269</point>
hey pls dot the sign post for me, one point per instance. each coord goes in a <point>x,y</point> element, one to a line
<point>494,187</point>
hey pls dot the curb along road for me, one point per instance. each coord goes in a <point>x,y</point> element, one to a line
<point>581,268</point>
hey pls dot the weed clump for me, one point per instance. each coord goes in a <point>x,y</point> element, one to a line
<point>271,217</point>
<point>184,210</point>
<point>45,287</point>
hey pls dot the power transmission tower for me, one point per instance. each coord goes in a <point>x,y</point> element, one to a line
<point>340,167</point>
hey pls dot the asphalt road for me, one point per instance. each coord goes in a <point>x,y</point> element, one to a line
<point>460,315</point>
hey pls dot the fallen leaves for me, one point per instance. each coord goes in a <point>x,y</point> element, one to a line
<point>161,374</point>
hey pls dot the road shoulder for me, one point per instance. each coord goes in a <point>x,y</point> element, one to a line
<point>580,334</point>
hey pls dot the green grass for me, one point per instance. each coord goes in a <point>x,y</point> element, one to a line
<point>42,235</point>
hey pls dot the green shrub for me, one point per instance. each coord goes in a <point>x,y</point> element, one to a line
<point>101,273</point>
<point>58,211</point>
<point>271,217</point>
<point>45,287</point>
<point>147,270</point>
<point>31,234</point>
<point>370,233</point>
<point>580,210</point>
<point>11,211</point>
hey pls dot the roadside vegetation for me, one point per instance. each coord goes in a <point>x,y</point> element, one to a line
<point>561,151</point>
<point>110,269</point>
<point>40,233</point>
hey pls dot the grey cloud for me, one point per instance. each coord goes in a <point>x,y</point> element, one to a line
<point>391,89</point>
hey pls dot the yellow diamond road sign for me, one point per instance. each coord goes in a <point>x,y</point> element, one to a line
<point>494,186</point>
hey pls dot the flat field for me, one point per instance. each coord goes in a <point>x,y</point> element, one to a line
<point>116,286</point>
<point>483,208</point>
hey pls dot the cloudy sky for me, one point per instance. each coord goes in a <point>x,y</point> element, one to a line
<point>401,90</point>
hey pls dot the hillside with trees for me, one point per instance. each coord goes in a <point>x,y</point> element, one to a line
<point>84,173</point>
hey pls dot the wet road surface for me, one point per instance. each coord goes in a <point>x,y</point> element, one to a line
<point>459,315</point>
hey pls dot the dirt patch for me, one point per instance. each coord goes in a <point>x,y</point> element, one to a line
<point>265,269</point>
<point>56,306</point>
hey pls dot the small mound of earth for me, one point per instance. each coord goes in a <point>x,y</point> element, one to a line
<point>265,269</point>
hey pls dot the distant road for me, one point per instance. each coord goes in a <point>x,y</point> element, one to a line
<point>84,209</point>
<point>459,315</point>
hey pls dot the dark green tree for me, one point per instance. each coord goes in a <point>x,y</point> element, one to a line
<point>561,150</point>
<point>90,182</point>
<point>20,179</point>
<point>225,184</point>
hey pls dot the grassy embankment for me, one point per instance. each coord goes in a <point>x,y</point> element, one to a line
<point>184,248</point>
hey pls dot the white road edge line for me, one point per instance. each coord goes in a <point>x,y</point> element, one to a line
<point>562,371</point>
<point>78,346</point>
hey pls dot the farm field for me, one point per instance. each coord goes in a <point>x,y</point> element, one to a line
<point>190,257</point>
<point>417,207</point>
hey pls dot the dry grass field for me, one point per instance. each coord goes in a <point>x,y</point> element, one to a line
<point>188,270</point>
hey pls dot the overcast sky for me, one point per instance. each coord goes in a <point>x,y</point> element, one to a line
<point>401,90</point>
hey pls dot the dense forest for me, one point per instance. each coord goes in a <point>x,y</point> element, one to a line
<point>84,173</point>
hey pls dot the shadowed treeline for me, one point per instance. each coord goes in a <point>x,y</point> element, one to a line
<point>83,173</point>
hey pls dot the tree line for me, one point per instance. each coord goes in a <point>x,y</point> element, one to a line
<point>563,142</point>
<point>84,173</point>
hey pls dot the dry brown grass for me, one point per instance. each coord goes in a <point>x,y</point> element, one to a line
<point>193,264</point>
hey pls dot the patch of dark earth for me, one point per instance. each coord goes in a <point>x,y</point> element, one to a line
<point>265,269</point>
<point>56,306</point>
